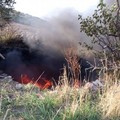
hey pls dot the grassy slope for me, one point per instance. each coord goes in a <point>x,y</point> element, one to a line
<point>63,103</point>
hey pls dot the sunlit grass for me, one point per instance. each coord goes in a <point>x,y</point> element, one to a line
<point>62,103</point>
<point>57,104</point>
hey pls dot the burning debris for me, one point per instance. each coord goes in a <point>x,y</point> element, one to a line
<point>40,68</point>
<point>38,50</point>
<point>40,82</point>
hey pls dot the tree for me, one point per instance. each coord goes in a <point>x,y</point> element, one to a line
<point>104,27</point>
<point>6,8</point>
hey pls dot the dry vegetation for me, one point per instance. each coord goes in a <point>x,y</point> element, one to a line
<point>110,102</point>
<point>72,59</point>
<point>9,32</point>
<point>64,102</point>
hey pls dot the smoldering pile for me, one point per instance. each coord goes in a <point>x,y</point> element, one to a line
<point>28,59</point>
<point>23,62</point>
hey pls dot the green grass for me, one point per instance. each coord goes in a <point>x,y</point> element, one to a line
<point>64,103</point>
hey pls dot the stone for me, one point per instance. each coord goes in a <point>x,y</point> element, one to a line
<point>18,86</point>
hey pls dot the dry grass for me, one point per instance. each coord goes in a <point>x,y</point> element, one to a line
<point>64,102</point>
<point>9,32</point>
<point>72,58</point>
<point>110,102</point>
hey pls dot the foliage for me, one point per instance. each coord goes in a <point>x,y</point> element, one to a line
<point>6,7</point>
<point>104,27</point>
<point>62,103</point>
<point>73,65</point>
<point>112,95</point>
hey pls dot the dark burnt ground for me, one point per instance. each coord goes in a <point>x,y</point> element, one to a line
<point>20,59</point>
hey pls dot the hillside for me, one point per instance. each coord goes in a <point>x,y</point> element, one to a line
<point>27,19</point>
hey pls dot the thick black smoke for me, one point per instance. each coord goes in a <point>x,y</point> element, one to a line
<point>21,60</point>
<point>24,60</point>
<point>41,49</point>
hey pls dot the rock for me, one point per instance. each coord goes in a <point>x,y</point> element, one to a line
<point>5,77</point>
<point>18,86</point>
<point>97,83</point>
<point>94,86</point>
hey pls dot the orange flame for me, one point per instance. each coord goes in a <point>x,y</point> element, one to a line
<point>77,84</point>
<point>25,79</point>
<point>42,83</point>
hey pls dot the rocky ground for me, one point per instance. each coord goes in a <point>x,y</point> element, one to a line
<point>8,82</point>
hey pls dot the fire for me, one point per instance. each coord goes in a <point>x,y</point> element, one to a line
<point>25,79</point>
<point>77,84</point>
<point>41,83</point>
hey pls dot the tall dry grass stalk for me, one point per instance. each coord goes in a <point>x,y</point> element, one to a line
<point>110,102</point>
<point>109,69</point>
<point>63,79</point>
<point>72,59</point>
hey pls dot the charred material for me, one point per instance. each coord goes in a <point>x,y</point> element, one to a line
<point>20,60</point>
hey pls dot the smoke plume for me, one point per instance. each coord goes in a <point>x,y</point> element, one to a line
<point>42,47</point>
